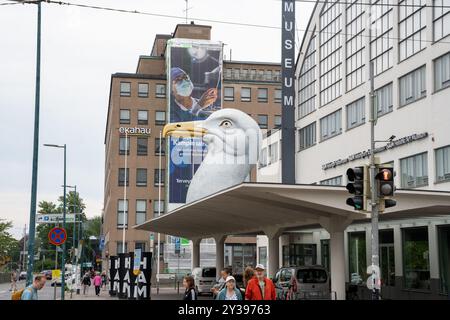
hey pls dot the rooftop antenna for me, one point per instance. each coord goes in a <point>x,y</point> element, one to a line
<point>186,11</point>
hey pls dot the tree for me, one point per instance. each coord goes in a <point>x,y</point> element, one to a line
<point>8,245</point>
<point>91,228</point>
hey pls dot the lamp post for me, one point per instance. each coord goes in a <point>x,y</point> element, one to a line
<point>63,256</point>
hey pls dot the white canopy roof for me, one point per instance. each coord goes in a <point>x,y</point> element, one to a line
<point>250,208</point>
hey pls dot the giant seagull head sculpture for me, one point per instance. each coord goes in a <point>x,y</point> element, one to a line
<point>233,142</point>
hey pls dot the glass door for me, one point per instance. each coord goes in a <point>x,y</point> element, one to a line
<point>387,264</point>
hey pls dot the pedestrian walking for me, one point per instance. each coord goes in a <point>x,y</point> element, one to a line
<point>13,281</point>
<point>230,292</point>
<point>97,283</point>
<point>260,287</point>
<point>86,282</point>
<point>224,273</point>
<point>189,286</point>
<point>104,280</point>
<point>31,292</point>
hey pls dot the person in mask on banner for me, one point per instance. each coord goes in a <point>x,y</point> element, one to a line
<point>185,107</point>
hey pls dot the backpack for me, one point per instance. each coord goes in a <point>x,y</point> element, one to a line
<point>17,295</point>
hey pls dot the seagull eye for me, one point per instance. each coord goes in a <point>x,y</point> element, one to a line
<point>226,124</point>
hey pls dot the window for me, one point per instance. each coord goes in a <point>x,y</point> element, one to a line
<point>262,121</point>
<point>141,177</point>
<point>158,150</point>
<point>124,145</point>
<point>244,74</point>
<point>330,125</point>
<point>141,211</point>
<point>160,90</point>
<point>142,117</point>
<point>383,99</point>
<point>307,81</point>
<point>277,121</point>
<point>228,73</point>
<point>382,36</point>
<point>416,260</point>
<point>236,74</point>
<point>277,95</point>
<point>277,75</point>
<point>268,75</point>
<point>160,118</point>
<point>412,24</point>
<point>125,89</point>
<point>228,93</point>
<point>122,177</point>
<point>120,246</point>
<point>414,171</point>
<point>262,253</point>
<point>124,116</point>
<point>246,94</point>
<point>356,113</point>
<point>159,181</point>
<point>260,75</point>
<point>302,254</point>
<point>139,246</point>
<point>357,257</point>
<point>442,72</point>
<point>443,164</point>
<point>253,74</point>
<point>307,136</point>
<point>263,158</point>
<point>441,19</point>
<point>262,95</point>
<point>412,86</point>
<point>143,90</point>
<point>330,52</point>
<point>142,146</point>
<point>336,181</point>
<point>273,152</point>
<point>355,44</point>
<point>122,213</point>
<point>157,208</point>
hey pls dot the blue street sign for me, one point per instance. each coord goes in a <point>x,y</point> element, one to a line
<point>101,245</point>
<point>177,245</point>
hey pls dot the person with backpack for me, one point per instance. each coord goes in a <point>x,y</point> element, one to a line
<point>97,283</point>
<point>30,292</point>
<point>86,282</point>
<point>13,281</point>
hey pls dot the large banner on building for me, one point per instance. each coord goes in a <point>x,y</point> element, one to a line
<point>194,81</point>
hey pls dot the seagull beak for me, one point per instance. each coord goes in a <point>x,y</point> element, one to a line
<point>184,129</point>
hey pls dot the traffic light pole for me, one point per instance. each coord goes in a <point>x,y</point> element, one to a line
<point>373,171</point>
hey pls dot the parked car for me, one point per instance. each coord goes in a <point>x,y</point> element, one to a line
<point>204,278</point>
<point>306,282</point>
<point>47,274</point>
<point>23,275</point>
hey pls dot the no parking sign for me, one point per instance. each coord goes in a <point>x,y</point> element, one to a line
<point>57,236</point>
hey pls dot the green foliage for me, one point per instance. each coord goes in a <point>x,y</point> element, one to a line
<point>47,264</point>
<point>9,246</point>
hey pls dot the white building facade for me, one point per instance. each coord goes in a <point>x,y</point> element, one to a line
<point>409,46</point>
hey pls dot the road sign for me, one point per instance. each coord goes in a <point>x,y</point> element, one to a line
<point>87,264</point>
<point>57,236</point>
<point>56,274</point>
<point>101,245</point>
<point>184,242</point>
<point>177,245</point>
<point>55,218</point>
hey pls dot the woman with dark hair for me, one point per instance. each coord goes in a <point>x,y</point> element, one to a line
<point>248,274</point>
<point>189,285</point>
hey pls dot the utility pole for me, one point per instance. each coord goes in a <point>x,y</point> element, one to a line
<point>34,175</point>
<point>63,262</point>
<point>125,204</point>
<point>373,171</point>
<point>24,246</point>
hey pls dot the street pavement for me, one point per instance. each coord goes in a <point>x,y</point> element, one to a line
<point>47,293</point>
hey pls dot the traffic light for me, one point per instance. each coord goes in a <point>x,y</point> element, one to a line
<point>386,188</point>
<point>357,178</point>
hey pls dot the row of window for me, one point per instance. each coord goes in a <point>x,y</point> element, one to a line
<point>141,146</point>
<point>411,35</point>
<point>142,90</point>
<point>246,94</point>
<point>412,87</point>
<point>414,170</point>
<point>270,154</point>
<point>252,74</point>
<point>141,177</point>
<point>142,117</point>
<point>141,211</point>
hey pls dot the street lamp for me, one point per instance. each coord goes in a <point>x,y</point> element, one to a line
<point>74,235</point>
<point>63,258</point>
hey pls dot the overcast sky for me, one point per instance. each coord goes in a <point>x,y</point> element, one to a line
<point>81,48</point>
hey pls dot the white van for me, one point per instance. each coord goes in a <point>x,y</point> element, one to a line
<point>204,279</point>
